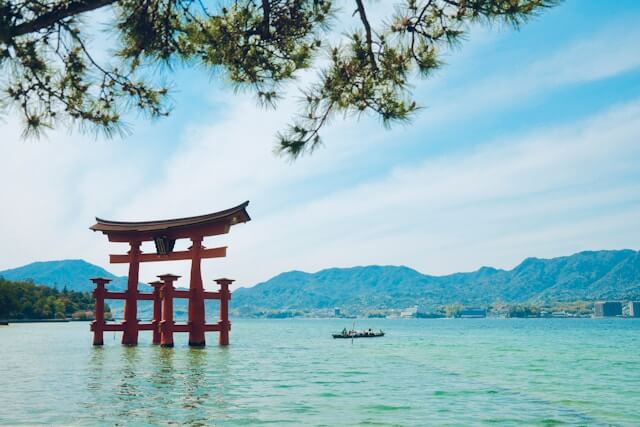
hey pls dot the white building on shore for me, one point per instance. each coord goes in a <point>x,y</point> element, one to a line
<point>409,312</point>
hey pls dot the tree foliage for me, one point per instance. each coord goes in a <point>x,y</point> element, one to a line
<point>51,75</point>
<point>24,300</point>
<point>453,310</point>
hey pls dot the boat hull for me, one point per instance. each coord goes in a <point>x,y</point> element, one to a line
<point>374,335</point>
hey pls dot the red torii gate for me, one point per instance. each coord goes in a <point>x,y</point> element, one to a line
<point>165,233</point>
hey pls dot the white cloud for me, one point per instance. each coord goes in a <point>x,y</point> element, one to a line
<point>608,52</point>
<point>52,188</point>
<point>547,193</point>
<point>544,194</point>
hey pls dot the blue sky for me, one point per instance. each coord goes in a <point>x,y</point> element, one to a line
<point>528,145</point>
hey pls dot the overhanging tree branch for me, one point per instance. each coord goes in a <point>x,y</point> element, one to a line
<point>52,77</point>
<point>57,14</point>
<point>266,12</point>
<point>367,31</point>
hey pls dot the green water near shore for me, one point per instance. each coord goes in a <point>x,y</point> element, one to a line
<point>424,372</point>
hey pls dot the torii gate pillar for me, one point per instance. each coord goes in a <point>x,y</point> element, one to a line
<point>224,324</point>
<point>98,323</point>
<point>157,310</point>
<point>130,335</point>
<point>196,296</point>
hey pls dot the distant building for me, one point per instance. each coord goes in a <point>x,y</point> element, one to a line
<point>409,312</point>
<point>429,315</point>
<point>376,315</point>
<point>336,312</point>
<point>634,309</point>
<point>607,309</point>
<point>472,313</point>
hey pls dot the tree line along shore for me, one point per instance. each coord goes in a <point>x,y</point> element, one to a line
<point>24,300</point>
<point>530,309</point>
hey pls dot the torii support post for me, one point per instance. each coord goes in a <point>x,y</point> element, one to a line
<point>196,296</point>
<point>157,310</point>
<point>167,324</point>
<point>130,323</point>
<point>98,324</point>
<point>225,296</point>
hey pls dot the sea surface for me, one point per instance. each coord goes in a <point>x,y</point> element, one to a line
<point>291,372</point>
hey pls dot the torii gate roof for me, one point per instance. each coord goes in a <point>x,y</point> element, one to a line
<point>209,224</point>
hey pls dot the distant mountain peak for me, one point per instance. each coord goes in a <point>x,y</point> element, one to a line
<point>586,275</point>
<point>74,274</point>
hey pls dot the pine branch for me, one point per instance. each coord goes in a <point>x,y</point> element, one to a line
<point>266,12</point>
<point>367,29</point>
<point>57,14</point>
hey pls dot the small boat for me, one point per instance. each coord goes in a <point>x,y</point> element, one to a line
<point>359,334</point>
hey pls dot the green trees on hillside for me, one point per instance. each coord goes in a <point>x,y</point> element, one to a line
<point>24,300</point>
<point>452,310</point>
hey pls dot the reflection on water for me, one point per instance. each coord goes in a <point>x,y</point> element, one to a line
<point>153,384</point>
<point>127,387</point>
<point>94,370</point>
<point>195,382</point>
<point>223,379</point>
<point>164,375</point>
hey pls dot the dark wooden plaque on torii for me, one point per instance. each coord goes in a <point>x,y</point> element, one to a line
<point>164,234</point>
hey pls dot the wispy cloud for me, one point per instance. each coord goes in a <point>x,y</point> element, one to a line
<point>605,53</point>
<point>543,194</point>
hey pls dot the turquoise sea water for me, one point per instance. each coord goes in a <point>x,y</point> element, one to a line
<point>424,372</point>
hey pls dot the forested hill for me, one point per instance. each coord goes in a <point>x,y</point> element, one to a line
<point>585,275</point>
<point>23,300</point>
<point>74,274</point>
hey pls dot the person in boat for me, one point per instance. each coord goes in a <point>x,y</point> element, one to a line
<point>344,332</point>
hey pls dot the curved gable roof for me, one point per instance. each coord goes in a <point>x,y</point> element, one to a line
<point>230,216</point>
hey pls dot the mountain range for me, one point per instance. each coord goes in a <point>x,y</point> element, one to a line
<point>588,275</point>
<point>74,274</point>
<point>591,275</point>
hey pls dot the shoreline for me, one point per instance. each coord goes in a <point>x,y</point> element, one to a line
<point>7,322</point>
